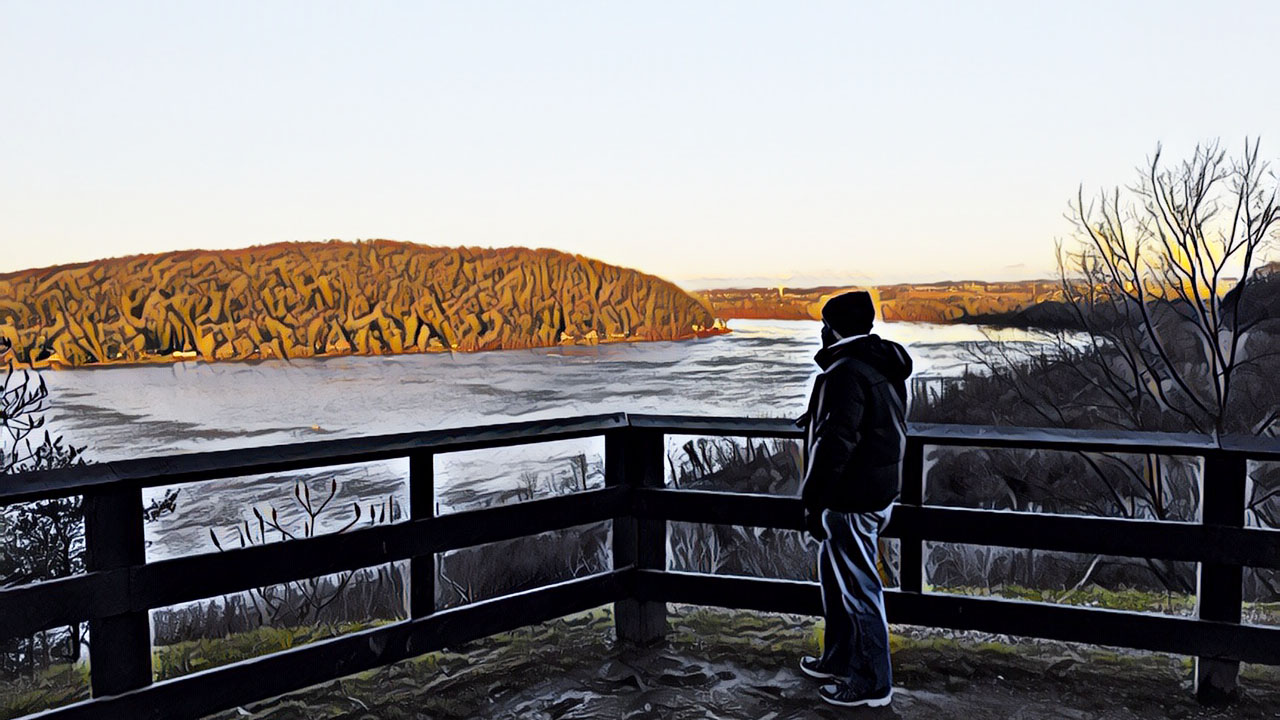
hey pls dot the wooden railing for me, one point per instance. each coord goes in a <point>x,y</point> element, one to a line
<point>120,586</point>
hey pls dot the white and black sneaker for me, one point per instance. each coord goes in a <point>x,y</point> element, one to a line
<point>845,696</point>
<point>812,666</point>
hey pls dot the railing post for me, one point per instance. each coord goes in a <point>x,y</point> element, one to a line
<point>422,505</point>
<point>1219,590</point>
<point>911,550</point>
<point>119,645</point>
<point>633,458</point>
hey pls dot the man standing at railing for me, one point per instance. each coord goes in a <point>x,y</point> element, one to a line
<point>856,435</point>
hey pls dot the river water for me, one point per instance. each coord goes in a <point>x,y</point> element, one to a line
<point>763,368</point>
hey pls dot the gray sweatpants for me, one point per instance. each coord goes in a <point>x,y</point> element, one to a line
<point>856,641</point>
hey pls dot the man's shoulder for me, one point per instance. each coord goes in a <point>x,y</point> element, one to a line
<point>847,365</point>
<point>876,359</point>
<point>849,374</point>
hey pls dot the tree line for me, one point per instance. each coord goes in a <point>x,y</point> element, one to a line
<point>919,302</point>
<point>292,300</point>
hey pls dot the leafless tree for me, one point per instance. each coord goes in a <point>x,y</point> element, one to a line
<point>1148,278</point>
<point>528,485</point>
<point>40,540</point>
<point>1158,275</point>
<point>22,405</point>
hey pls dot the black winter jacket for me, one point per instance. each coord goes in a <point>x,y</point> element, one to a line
<point>856,425</point>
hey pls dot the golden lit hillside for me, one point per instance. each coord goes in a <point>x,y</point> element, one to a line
<point>332,298</point>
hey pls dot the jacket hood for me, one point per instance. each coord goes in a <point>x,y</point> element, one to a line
<point>886,356</point>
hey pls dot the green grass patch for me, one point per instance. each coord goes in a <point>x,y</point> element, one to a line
<point>182,658</point>
<point>1131,599</point>
<point>1093,596</point>
<point>49,688</point>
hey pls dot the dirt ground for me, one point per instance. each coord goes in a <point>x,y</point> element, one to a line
<point>738,665</point>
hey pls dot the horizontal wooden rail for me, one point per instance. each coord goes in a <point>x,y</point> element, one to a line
<point>200,694</point>
<point>1257,448</point>
<point>1190,542</point>
<point>29,609</point>
<point>717,426</point>
<point>986,436</point>
<point>193,467</point>
<point>1117,628</point>
<point>1051,439</point>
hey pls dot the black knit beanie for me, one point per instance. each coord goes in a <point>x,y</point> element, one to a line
<point>850,313</point>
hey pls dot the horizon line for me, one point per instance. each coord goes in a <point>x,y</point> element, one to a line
<point>794,280</point>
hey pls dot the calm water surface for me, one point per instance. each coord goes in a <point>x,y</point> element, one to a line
<point>761,369</point>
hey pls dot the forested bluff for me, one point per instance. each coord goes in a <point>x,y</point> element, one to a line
<point>293,300</point>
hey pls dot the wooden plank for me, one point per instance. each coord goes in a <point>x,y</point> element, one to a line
<point>1255,447</point>
<point>193,467</point>
<point>633,462</point>
<point>1065,439</point>
<point>1106,536</point>
<point>201,576</point>
<point>982,436</point>
<point>717,426</point>
<point>119,644</point>
<point>196,577</point>
<point>1063,533</point>
<point>203,693</point>
<point>617,476</point>
<point>645,464</point>
<point>1117,628</point>
<point>911,554</point>
<point>422,507</point>
<point>28,609</point>
<point>1220,585</point>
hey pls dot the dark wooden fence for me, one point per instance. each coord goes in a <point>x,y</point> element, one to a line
<point>120,587</point>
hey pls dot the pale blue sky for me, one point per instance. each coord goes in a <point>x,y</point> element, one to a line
<point>815,141</point>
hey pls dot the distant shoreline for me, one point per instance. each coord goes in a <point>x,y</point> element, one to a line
<point>1014,320</point>
<point>942,303</point>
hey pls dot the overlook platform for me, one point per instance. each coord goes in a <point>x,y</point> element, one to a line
<point>739,665</point>
<point>516,656</point>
